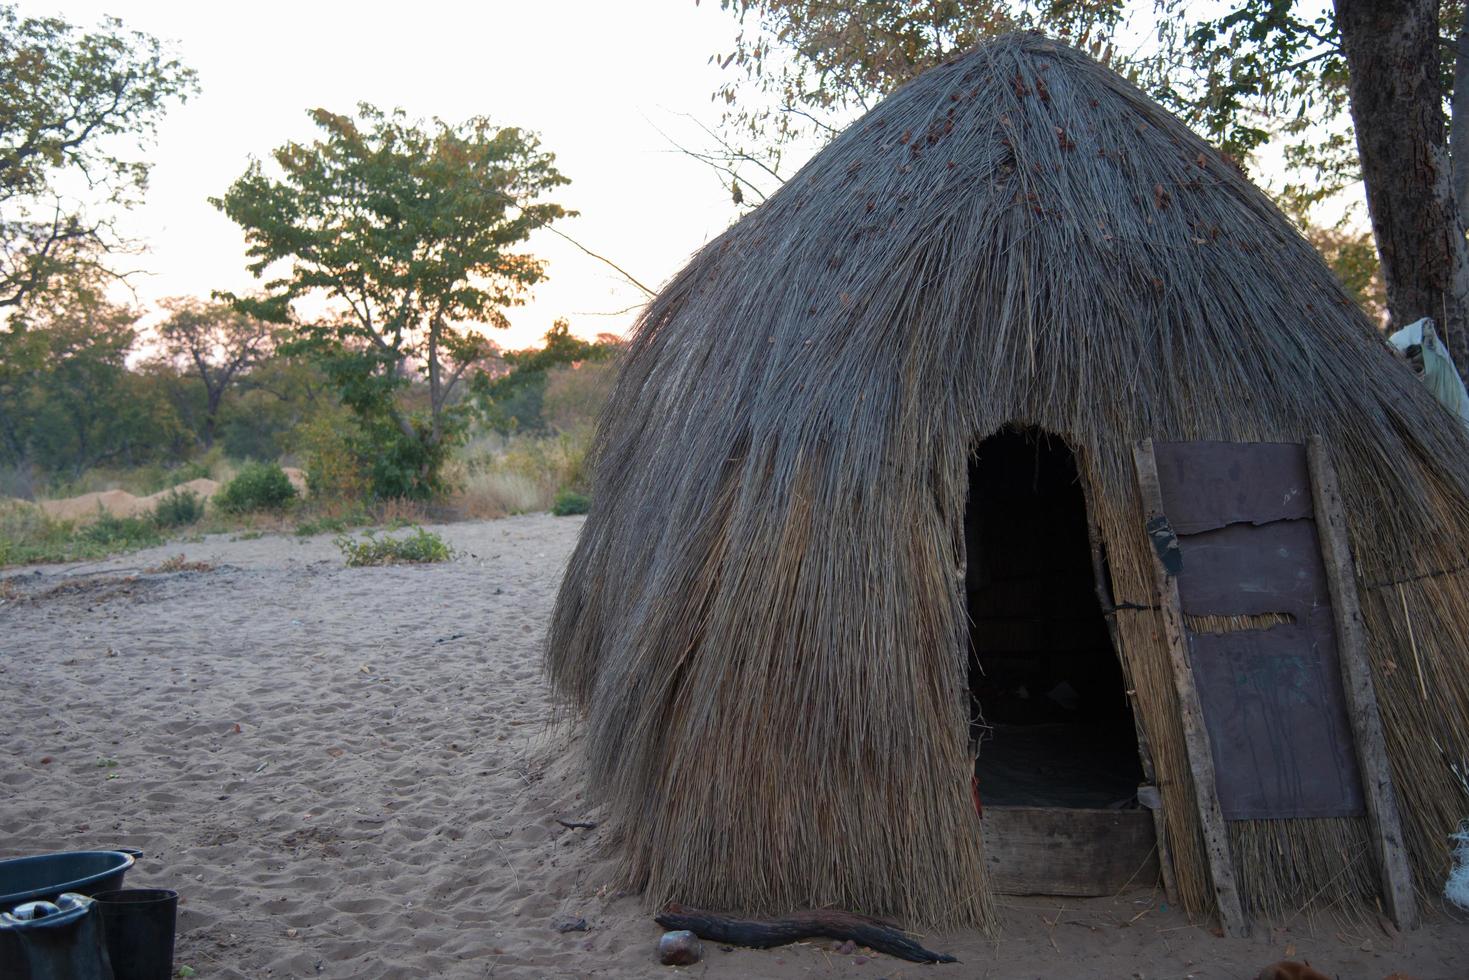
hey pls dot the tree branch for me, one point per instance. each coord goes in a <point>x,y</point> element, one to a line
<point>602,258</point>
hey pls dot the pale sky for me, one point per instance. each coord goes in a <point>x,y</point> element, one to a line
<point>592,78</point>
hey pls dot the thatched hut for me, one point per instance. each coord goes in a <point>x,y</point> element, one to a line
<point>843,435</point>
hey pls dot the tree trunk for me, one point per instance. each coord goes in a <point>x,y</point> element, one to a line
<point>1391,48</point>
<point>212,397</point>
<point>1459,117</point>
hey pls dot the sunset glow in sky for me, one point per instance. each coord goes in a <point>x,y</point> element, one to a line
<point>593,78</point>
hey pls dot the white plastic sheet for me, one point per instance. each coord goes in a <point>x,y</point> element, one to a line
<point>1456,889</point>
<point>1439,373</point>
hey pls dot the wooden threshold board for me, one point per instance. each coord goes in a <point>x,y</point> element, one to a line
<point>1065,851</point>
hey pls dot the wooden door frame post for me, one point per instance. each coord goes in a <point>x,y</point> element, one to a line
<point>1190,710</point>
<point>1351,636</point>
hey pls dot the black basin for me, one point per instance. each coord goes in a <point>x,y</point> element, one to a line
<point>45,876</point>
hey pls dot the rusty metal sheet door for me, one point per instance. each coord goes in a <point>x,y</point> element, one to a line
<point>1266,665</point>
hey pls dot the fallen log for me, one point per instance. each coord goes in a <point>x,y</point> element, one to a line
<point>817,924</point>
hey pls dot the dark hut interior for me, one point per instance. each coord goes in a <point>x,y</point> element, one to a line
<point>1049,711</point>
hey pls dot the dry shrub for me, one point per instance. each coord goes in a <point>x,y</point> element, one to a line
<point>576,393</point>
<point>488,494</point>
<point>494,477</point>
<point>178,563</point>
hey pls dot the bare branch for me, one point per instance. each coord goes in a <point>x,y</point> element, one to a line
<point>721,164</point>
<point>602,258</point>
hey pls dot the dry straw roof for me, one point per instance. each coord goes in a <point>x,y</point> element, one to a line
<point>763,622</point>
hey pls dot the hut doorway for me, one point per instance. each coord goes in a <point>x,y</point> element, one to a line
<point>1050,717</point>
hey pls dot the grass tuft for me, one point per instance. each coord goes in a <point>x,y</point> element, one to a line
<point>178,508</point>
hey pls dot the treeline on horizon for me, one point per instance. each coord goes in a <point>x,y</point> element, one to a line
<point>87,393</point>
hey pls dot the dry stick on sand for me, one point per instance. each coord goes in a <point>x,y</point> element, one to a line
<point>819,924</point>
<point>577,824</point>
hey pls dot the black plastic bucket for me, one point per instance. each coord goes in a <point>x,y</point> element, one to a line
<point>59,940</point>
<point>139,926</point>
<point>45,877</point>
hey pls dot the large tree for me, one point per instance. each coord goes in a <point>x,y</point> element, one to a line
<point>217,344</point>
<point>67,398</point>
<point>75,108</point>
<point>411,231</point>
<point>1362,90</point>
<point>1392,49</point>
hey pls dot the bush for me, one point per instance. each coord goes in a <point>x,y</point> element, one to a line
<point>258,486</point>
<point>333,470</point>
<point>419,547</point>
<point>569,502</point>
<point>110,533</point>
<point>178,508</point>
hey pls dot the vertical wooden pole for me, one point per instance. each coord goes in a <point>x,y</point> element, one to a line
<point>1166,561</point>
<point>1351,636</point>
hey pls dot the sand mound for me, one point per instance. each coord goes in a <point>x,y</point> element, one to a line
<point>120,503</point>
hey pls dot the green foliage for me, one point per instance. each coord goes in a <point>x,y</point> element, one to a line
<point>329,443</point>
<point>74,103</point>
<point>569,502</point>
<point>418,547</point>
<point>576,393</point>
<point>514,401</point>
<point>412,228</point>
<point>552,462</point>
<point>109,534</point>
<point>68,399</point>
<point>258,486</point>
<point>408,465</point>
<point>521,474</point>
<point>178,508</point>
<point>276,397</point>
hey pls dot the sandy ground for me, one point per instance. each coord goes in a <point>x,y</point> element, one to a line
<point>351,773</point>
